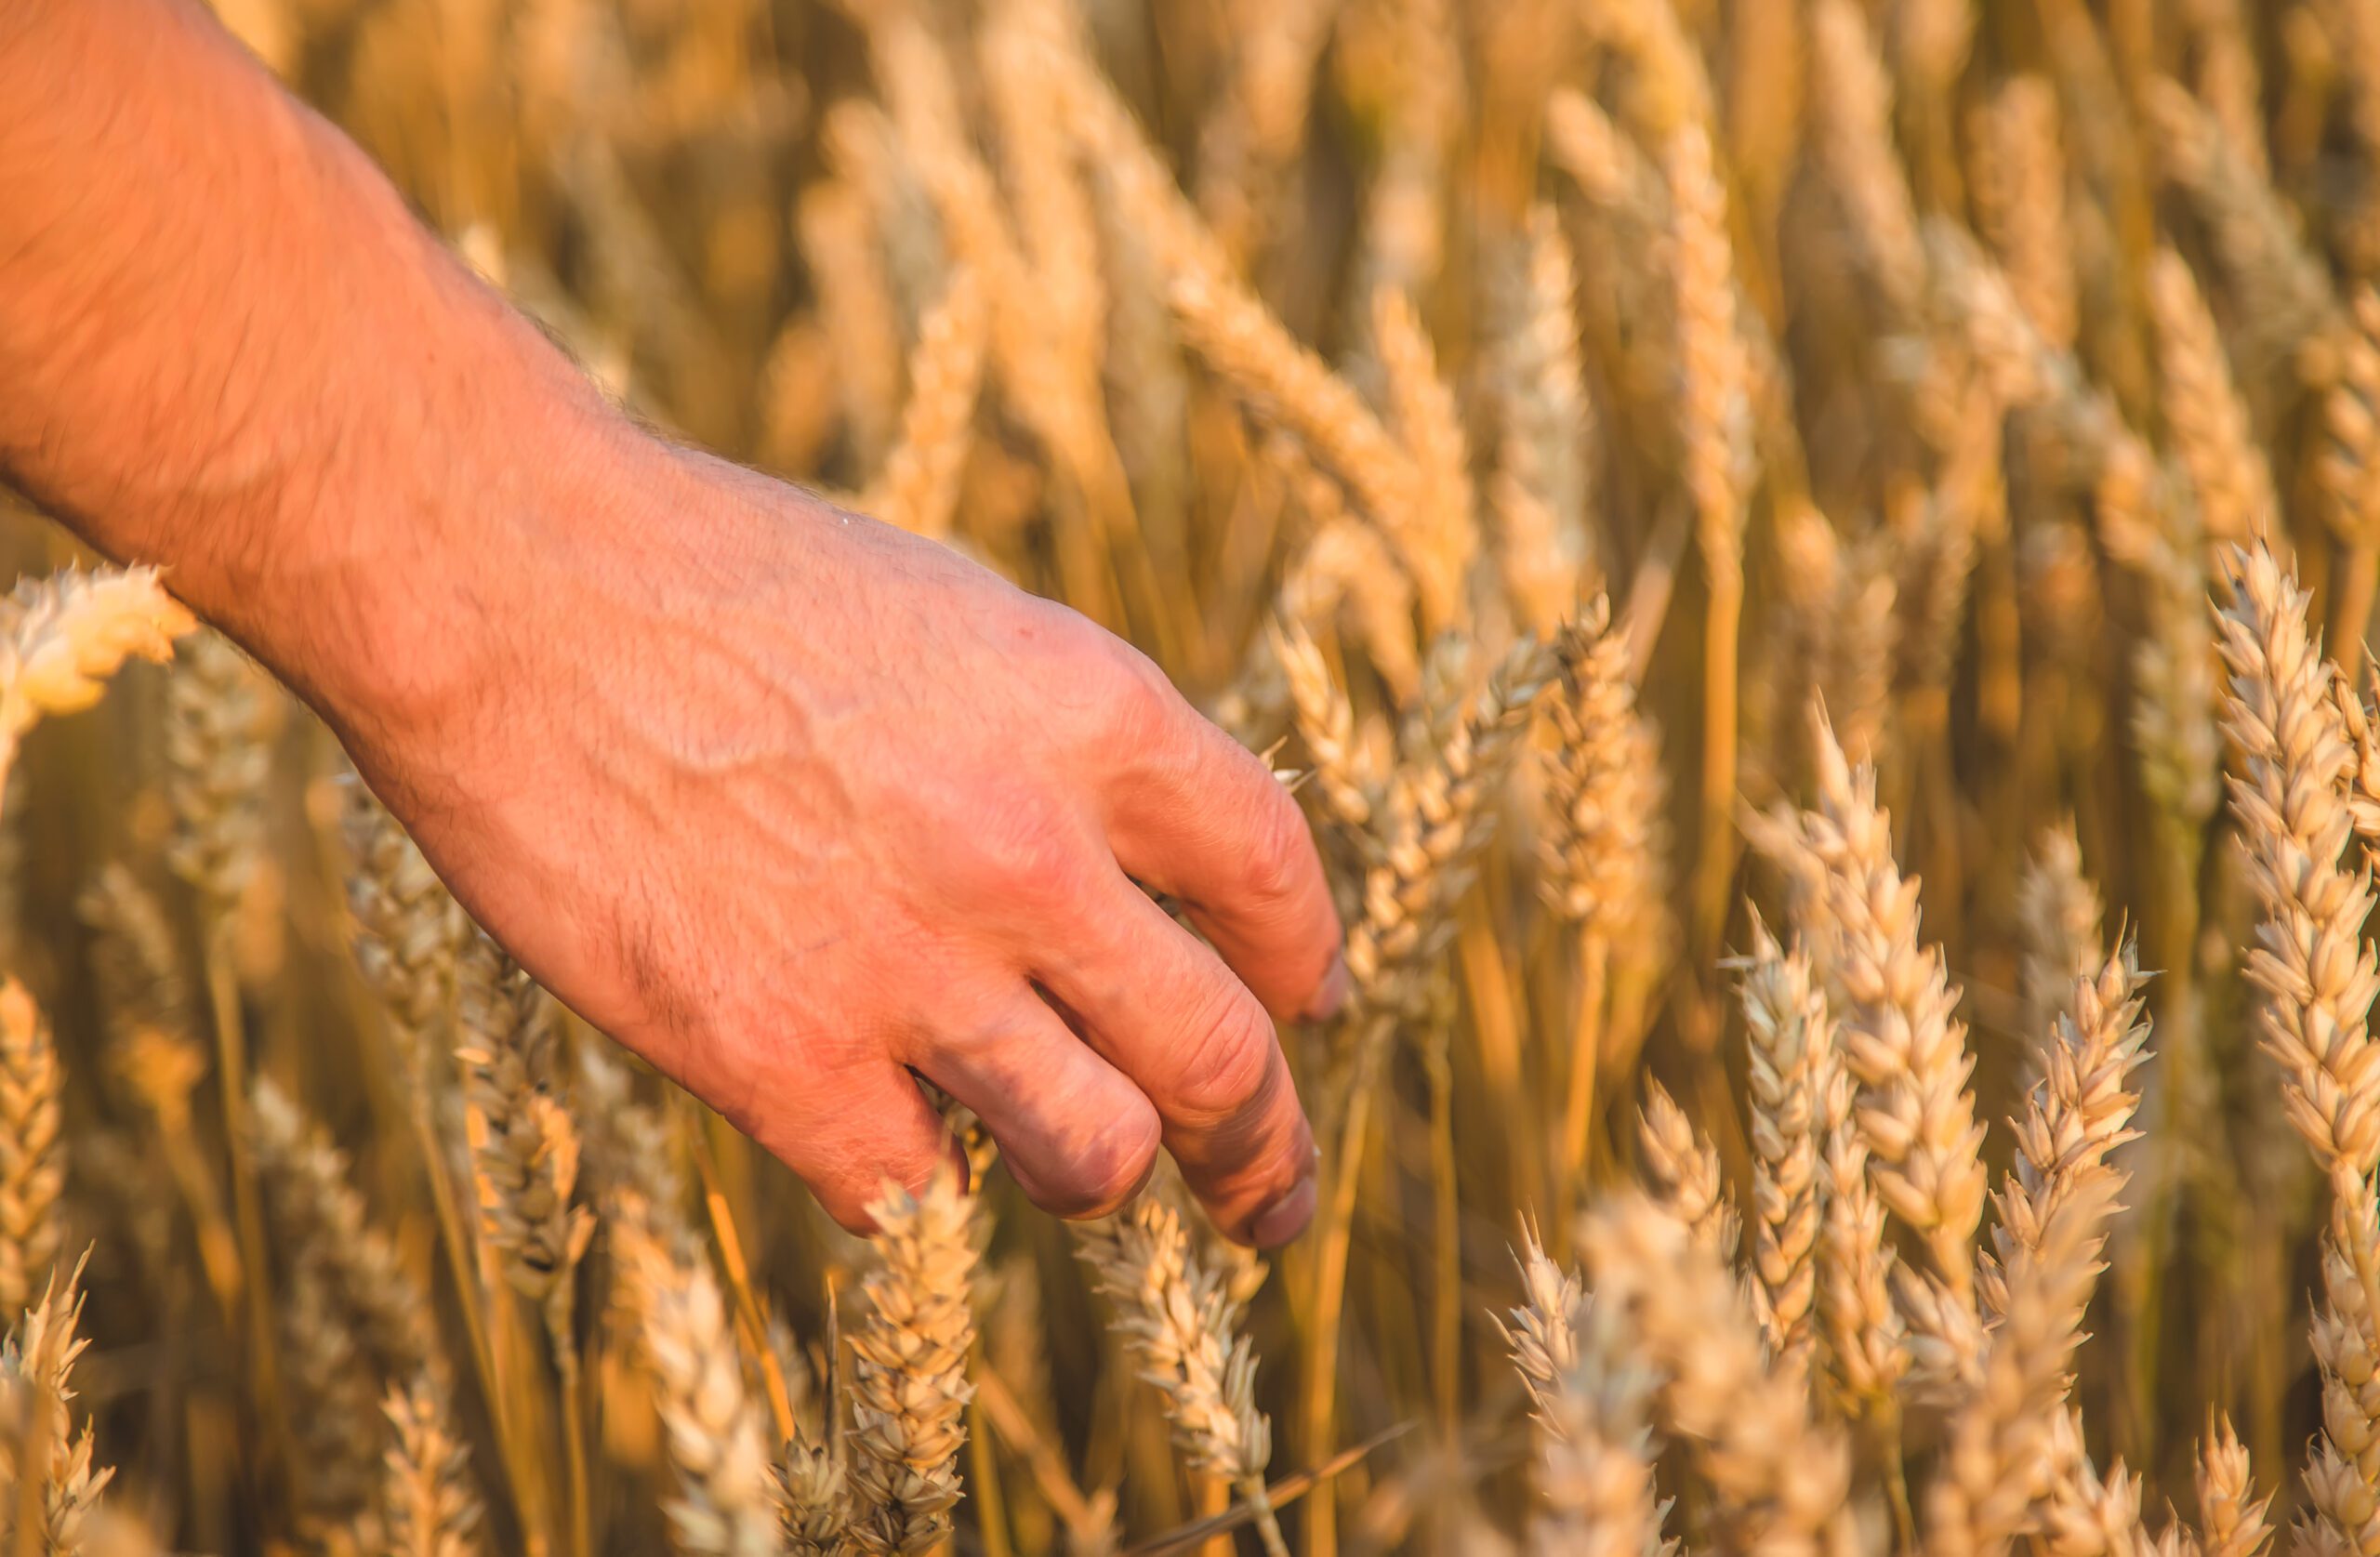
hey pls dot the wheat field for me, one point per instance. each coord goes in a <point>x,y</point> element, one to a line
<point>1808,561</point>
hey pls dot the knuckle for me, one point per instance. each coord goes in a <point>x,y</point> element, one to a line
<point>1027,853</point>
<point>1227,1060</point>
<point>1279,855</point>
<point>1136,702</point>
<point>1107,1170</point>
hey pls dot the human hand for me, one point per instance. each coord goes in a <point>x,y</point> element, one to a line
<point>789,800</point>
<point>783,798</point>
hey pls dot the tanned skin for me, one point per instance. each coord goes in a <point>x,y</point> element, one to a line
<point>790,802</point>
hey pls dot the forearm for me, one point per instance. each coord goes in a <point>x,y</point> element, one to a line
<point>226,346</point>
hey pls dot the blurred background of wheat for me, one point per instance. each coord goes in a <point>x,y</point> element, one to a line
<point>1519,416</point>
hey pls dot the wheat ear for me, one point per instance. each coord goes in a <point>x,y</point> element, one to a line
<point>2019,184</point>
<point>216,762</point>
<point>32,1165</point>
<point>1601,861</point>
<point>526,1148</point>
<point>63,637</point>
<point>1175,1307</point>
<point>1681,1170</point>
<point>909,1389</point>
<point>2080,1111</point>
<point>2001,1449</point>
<point>2280,286</point>
<point>1851,112</point>
<point>716,1431</point>
<point>426,1502</point>
<point>408,932</point>
<point>2231,1516</point>
<point>1539,494</point>
<point>40,1450</point>
<point>2058,916</point>
<point>1779,1480</point>
<point>2206,421</point>
<point>1595,1475</point>
<point>316,1210</point>
<point>918,488</point>
<point>1795,1070</point>
<point>2292,761</point>
<point>1895,1000</point>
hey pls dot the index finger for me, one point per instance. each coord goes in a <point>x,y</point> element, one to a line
<point>1196,815</point>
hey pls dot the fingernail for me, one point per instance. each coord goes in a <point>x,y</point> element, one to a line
<point>1286,1218</point>
<point>1333,994</point>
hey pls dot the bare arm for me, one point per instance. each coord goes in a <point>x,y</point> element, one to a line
<point>786,799</point>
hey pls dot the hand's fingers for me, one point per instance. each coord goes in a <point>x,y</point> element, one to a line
<point>1196,815</point>
<point>1166,1011</point>
<point>1078,1136</point>
<point>854,1130</point>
